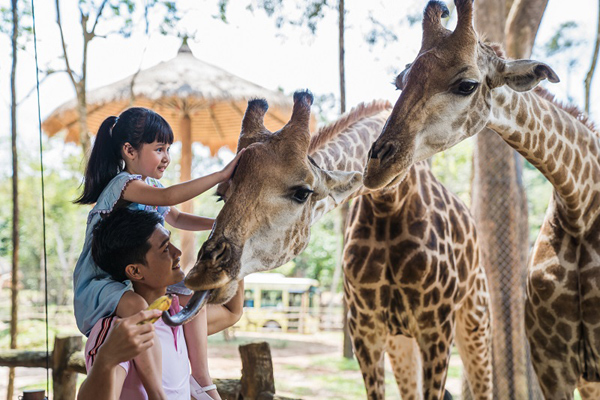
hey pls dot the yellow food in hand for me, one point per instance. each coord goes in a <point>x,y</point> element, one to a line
<point>163,303</point>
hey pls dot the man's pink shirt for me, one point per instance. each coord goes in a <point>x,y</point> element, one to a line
<point>175,361</point>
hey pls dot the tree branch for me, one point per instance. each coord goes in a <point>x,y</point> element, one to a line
<point>590,74</point>
<point>32,90</point>
<point>64,46</point>
<point>98,15</point>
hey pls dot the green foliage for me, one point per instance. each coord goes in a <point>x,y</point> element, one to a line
<point>306,13</point>
<point>453,168</point>
<point>379,31</point>
<point>319,258</point>
<point>25,33</point>
<point>65,221</point>
<point>563,40</point>
<point>539,191</point>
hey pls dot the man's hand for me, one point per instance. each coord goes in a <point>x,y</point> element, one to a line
<point>125,341</point>
<point>128,339</point>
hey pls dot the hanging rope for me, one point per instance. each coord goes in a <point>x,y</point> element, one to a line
<point>37,79</point>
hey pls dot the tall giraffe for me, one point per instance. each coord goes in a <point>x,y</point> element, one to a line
<point>412,266</point>
<point>456,86</point>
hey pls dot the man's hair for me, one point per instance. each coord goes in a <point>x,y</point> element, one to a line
<point>121,239</point>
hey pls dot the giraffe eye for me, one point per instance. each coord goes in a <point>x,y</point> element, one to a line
<point>465,88</point>
<point>301,194</point>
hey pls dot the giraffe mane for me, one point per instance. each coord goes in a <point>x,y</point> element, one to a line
<point>328,132</point>
<point>569,108</point>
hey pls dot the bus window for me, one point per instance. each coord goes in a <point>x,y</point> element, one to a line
<point>271,298</point>
<point>249,298</point>
<point>295,299</point>
<point>313,300</point>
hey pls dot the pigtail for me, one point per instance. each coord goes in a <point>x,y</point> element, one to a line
<point>104,163</point>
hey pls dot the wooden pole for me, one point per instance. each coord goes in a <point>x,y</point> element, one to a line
<point>187,237</point>
<point>15,198</point>
<point>257,372</point>
<point>64,380</point>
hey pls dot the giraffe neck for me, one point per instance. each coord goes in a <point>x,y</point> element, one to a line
<point>560,146</point>
<point>344,145</point>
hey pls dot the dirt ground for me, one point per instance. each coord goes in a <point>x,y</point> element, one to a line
<point>305,366</point>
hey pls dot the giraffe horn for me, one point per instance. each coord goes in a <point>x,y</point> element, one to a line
<point>300,120</point>
<point>464,26</point>
<point>433,29</point>
<point>253,128</point>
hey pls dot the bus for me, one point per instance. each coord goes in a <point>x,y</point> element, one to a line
<point>274,302</point>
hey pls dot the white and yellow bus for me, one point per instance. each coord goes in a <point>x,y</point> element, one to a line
<point>278,303</point>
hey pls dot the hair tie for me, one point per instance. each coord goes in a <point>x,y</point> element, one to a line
<point>111,128</point>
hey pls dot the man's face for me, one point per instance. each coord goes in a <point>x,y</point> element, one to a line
<point>162,260</point>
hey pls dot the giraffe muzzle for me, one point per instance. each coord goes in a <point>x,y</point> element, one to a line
<point>217,264</point>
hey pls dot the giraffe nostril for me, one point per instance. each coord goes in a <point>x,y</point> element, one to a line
<point>219,252</point>
<point>386,151</point>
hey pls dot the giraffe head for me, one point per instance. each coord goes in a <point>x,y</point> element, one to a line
<point>270,201</point>
<point>446,94</point>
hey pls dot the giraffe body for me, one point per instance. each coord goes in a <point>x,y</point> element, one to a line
<point>458,81</point>
<point>412,278</point>
<point>412,269</point>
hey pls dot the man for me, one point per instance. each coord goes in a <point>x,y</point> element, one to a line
<point>134,245</point>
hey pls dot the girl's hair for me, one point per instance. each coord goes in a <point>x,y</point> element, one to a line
<point>135,126</point>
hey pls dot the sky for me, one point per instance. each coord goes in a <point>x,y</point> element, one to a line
<point>250,46</point>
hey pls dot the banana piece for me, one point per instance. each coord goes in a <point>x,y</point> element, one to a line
<point>163,303</point>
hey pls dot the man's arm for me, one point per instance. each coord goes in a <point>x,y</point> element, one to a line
<point>223,316</point>
<point>125,341</point>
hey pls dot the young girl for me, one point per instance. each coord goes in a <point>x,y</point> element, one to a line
<point>130,154</point>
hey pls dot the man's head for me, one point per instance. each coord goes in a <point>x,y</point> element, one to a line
<point>134,245</point>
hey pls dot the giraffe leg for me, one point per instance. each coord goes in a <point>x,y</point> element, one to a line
<point>406,362</point>
<point>369,349</point>
<point>588,390</point>
<point>474,339</point>
<point>435,344</point>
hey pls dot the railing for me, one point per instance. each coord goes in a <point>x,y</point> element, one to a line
<point>66,361</point>
<point>292,319</point>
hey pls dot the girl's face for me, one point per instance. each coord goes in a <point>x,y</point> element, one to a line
<point>150,160</point>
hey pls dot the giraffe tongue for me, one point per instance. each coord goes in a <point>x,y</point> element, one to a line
<point>188,312</point>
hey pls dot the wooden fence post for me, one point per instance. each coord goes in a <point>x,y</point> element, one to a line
<point>257,372</point>
<point>65,380</point>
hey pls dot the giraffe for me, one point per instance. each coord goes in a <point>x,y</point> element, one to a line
<point>412,273</point>
<point>461,83</point>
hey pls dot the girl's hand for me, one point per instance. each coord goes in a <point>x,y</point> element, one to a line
<point>229,168</point>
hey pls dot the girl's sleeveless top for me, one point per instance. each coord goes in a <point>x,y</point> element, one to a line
<point>96,293</point>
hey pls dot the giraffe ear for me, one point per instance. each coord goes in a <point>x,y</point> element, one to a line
<point>524,75</point>
<point>401,78</point>
<point>337,184</point>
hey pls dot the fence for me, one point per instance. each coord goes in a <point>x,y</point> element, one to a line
<point>66,361</point>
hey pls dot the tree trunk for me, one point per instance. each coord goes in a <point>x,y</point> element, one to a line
<point>500,209</point>
<point>521,30</point>
<point>341,11</point>
<point>15,198</point>
<point>64,380</point>
<point>522,26</point>
<point>257,371</point>
<point>187,237</point>
<point>590,74</point>
<point>344,208</point>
